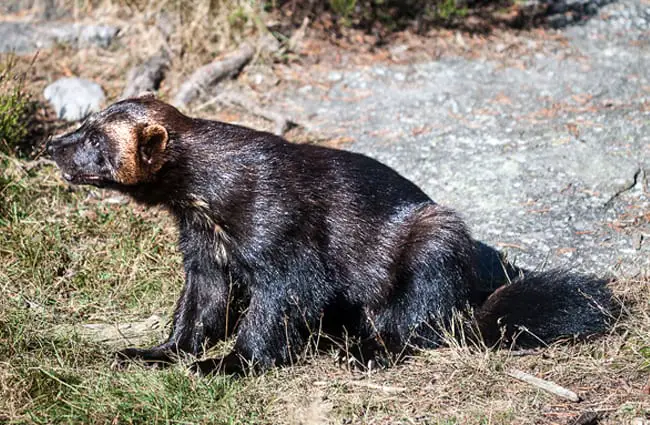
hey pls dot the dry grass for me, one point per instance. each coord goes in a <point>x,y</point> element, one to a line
<point>192,32</point>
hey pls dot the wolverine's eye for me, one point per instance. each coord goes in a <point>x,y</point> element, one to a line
<point>94,142</point>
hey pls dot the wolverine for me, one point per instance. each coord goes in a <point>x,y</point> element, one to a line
<point>281,241</point>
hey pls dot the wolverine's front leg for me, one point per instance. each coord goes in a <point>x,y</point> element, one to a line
<point>273,332</point>
<point>200,319</point>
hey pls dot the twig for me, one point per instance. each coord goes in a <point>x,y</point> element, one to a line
<point>510,245</point>
<point>212,73</point>
<point>385,388</point>
<point>548,386</point>
<point>282,123</point>
<point>297,38</point>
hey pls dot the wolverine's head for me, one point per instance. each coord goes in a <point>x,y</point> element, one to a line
<point>126,144</point>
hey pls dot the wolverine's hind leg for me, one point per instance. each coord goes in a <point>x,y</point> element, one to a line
<point>432,276</point>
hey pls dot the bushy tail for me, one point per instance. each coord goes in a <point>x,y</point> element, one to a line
<point>537,308</point>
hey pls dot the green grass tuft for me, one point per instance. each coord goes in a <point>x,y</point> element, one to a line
<point>134,397</point>
<point>17,110</point>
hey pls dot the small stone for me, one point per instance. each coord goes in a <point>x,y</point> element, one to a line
<point>399,49</point>
<point>398,52</point>
<point>116,200</point>
<point>258,78</point>
<point>335,76</point>
<point>74,98</point>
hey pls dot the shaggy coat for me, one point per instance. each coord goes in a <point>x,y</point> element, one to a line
<point>283,241</point>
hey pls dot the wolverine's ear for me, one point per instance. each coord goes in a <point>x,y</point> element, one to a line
<point>152,145</point>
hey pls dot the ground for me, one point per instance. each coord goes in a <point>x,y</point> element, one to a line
<point>540,138</point>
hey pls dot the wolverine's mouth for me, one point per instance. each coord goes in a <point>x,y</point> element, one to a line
<point>83,179</point>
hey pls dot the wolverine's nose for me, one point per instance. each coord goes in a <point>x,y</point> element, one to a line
<point>53,144</point>
<point>49,147</point>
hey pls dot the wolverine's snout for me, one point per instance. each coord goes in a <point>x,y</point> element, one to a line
<point>57,144</point>
<point>81,161</point>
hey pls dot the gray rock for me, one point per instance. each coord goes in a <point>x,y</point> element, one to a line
<point>74,98</point>
<point>26,37</point>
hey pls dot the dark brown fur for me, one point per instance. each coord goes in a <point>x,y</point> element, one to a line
<point>284,239</point>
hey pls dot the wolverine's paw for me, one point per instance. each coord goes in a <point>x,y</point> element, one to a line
<point>154,358</point>
<point>205,367</point>
<point>227,365</point>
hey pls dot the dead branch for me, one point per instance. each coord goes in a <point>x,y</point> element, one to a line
<point>210,74</point>
<point>282,123</point>
<point>147,76</point>
<point>117,334</point>
<point>545,385</point>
